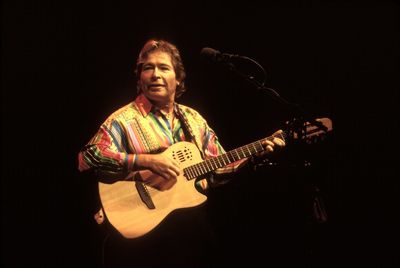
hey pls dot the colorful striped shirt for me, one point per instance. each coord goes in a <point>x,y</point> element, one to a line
<point>140,128</point>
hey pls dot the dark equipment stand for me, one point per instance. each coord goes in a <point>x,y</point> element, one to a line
<point>297,164</point>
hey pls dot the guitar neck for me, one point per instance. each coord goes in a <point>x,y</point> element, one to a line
<point>222,160</point>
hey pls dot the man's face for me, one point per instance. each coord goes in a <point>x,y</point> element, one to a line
<point>158,79</point>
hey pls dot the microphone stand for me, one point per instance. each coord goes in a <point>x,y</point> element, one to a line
<point>299,114</point>
<point>270,91</point>
<point>317,205</point>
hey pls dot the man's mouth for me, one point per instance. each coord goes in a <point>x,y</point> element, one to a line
<point>155,85</point>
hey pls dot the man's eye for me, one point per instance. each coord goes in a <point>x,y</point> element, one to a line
<point>165,67</point>
<point>148,67</point>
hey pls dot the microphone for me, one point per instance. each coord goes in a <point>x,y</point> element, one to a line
<point>217,56</point>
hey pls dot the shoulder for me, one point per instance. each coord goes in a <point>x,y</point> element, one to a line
<point>191,113</point>
<point>124,114</point>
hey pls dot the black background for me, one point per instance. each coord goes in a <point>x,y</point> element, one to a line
<point>67,65</point>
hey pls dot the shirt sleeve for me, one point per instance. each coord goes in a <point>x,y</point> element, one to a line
<point>106,153</point>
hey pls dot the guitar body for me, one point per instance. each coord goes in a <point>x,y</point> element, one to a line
<point>129,214</point>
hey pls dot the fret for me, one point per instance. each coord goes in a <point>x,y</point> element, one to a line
<point>208,165</point>
<point>260,146</point>
<point>219,162</point>
<point>259,143</point>
<point>227,159</point>
<point>201,169</point>
<point>212,163</point>
<point>244,152</point>
<point>236,155</point>
<point>222,157</point>
<point>200,166</point>
<point>248,149</point>
<point>222,160</point>
<point>254,146</point>
<point>197,170</point>
<point>192,172</point>
<point>188,172</point>
<point>240,151</point>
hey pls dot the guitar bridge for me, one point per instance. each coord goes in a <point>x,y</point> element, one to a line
<point>144,195</point>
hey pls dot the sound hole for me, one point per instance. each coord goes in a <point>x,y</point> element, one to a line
<point>182,155</point>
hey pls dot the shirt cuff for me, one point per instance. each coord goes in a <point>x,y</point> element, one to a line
<point>131,161</point>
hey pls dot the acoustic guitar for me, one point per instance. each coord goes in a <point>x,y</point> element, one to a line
<point>134,208</point>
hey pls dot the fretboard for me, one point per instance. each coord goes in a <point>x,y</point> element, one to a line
<point>223,160</point>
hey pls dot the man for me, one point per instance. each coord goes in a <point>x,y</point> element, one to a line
<point>131,142</point>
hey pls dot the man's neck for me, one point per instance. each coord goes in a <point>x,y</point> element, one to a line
<point>165,107</point>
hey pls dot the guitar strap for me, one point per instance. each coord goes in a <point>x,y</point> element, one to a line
<point>187,129</point>
<point>213,179</point>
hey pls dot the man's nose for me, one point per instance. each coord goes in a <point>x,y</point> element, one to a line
<point>156,73</point>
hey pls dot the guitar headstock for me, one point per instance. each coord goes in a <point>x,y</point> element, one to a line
<point>310,131</point>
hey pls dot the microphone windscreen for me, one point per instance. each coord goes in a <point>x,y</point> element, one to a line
<point>209,53</point>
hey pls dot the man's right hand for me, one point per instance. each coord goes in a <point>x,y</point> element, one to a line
<point>167,169</point>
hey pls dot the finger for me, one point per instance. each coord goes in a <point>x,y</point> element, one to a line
<point>173,163</point>
<point>268,142</point>
<point>169,174</point>
<point>279,142</point>
<point>278,135</point>
<point>174,173</point>
<point>269,148</point>
<point>175,169</point>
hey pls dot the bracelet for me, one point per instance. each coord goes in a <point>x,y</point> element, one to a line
<point>134,160</point>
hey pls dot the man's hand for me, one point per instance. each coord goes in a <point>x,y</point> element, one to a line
<point>167,170</point>
<point>276,141</point>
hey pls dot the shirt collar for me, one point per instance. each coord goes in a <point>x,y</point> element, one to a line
<point>145,106</point>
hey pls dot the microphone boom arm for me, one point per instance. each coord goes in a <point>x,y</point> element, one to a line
<point>272,92</point>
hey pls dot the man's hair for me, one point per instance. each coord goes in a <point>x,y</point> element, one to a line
<point>154,45</point>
